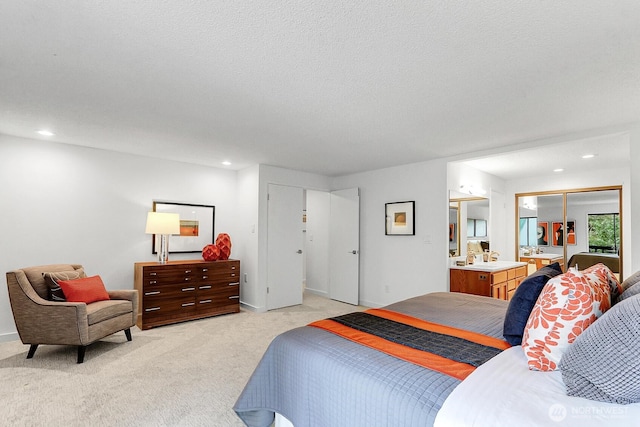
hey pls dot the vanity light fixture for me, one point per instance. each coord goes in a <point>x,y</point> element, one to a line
<point>226,163</point>
<point>588,156</point>
<point>45,132</point>
<point>558,170</point>
<point>472,190</point>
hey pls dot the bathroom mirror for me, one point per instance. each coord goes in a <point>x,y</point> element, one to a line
<point>454,235</point>
<point>472,223</point>
<point>567,226</point>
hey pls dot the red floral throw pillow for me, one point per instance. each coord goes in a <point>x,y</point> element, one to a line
<point>567,305</point>
<point>87,290</point>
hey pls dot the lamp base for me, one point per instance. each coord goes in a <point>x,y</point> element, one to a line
<point>163,249</point>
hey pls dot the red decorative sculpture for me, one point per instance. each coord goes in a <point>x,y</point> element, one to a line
<point>211,253</point>
<point>223,242</point>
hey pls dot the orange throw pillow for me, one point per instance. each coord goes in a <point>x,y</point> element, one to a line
<point>87,289</point>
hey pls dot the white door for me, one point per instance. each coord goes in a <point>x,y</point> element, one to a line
<point>284,246</point>
<point>344,241</point>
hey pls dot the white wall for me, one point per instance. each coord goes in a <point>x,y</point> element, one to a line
<point>68,204</point>
<point>393,268</point>
<point>247,234</point>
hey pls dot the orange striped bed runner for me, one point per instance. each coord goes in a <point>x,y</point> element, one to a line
<point>427,359</point>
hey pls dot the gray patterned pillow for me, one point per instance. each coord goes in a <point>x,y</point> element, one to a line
<point>630,281</point>
<point>602,363</point>
<point>629,292</point>
<point>51,279</point>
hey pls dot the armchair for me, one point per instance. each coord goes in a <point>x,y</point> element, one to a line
<point>41,321</point>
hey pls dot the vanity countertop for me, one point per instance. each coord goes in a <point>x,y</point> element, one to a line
<point>490,266</point>
<point>542,256</point>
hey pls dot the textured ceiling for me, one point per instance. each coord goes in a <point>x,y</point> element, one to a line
<point>329,86</point>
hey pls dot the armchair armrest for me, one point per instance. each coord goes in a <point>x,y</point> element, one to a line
<point>40,321</point>
<point>127,294</point>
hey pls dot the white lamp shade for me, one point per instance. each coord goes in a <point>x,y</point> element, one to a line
<point>163,223</point>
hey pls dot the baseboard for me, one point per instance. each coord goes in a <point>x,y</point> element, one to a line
<point>11,336</point>
<point>253,308</point>
<point>317,292</point>
<point>371,304</point>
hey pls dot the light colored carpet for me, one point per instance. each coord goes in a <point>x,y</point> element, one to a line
<point>188,374</point>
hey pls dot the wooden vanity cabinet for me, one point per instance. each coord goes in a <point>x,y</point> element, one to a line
<point>497,284</point>
<point>185,290</point>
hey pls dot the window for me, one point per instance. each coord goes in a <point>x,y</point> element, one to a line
<point>604,232</point>
<point>476,227</point>
<point>528,231</point>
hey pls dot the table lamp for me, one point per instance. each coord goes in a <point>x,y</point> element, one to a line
<point>162,224</point>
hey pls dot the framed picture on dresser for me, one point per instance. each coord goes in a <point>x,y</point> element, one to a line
<point>196,226</point>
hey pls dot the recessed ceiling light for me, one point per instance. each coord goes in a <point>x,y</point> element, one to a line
<point>46,133</point>
<point>558,170</point>
<point>588,156</point>
<point>226,163</point>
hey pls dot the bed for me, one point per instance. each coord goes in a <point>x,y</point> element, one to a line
<point>587,259</point>
<point>315,377</point>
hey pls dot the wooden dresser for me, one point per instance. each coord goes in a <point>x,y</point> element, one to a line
<point>496,283</point>
<point>185,290</point>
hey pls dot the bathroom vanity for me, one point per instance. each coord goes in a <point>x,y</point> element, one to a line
<point>497,279</point>
<point>537,261</point>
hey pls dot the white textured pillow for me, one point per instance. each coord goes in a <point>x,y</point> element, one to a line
<point>567,305</point>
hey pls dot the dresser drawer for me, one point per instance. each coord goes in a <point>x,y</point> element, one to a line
<point>216,288</point>
<point>154,276</point>
<point>168,306</point>
<point>157,292</point>
<point>220,298</point>
<point>227,272</point>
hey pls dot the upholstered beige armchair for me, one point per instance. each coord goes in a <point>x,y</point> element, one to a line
<point>41,321</point>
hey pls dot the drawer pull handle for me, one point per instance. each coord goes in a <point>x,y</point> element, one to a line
<point>235,297</point>
<point>234,284</point>
<point>205,301</point>
<point>152,293</point>
<point>233,274</point>
<point>205,287</point>
<point>187,271</point>
<point>205,269</point>
<point>187,304</point>
<point>188,289</point>
<point>186,279</point>
<point>233,267</point>
<point>153,282</point>
<point>205,277</point>
<point>153,274</point>
<point>152,309</point>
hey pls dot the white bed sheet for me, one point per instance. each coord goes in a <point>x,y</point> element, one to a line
<point>504,392</point>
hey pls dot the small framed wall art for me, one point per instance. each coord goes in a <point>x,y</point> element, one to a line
<point>399,219</point>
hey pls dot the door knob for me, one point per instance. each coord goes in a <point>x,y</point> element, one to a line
<point>353,252</point>
<point>299,251</point>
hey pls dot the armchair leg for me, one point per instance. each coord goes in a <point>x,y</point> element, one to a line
<point>127,332</point>
<point>32,350</point>
<point>81,349</point>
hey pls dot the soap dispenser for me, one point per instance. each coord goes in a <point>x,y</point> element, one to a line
<point>471,257</point>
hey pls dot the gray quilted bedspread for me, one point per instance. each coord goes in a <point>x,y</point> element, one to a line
<point>315,378</point>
